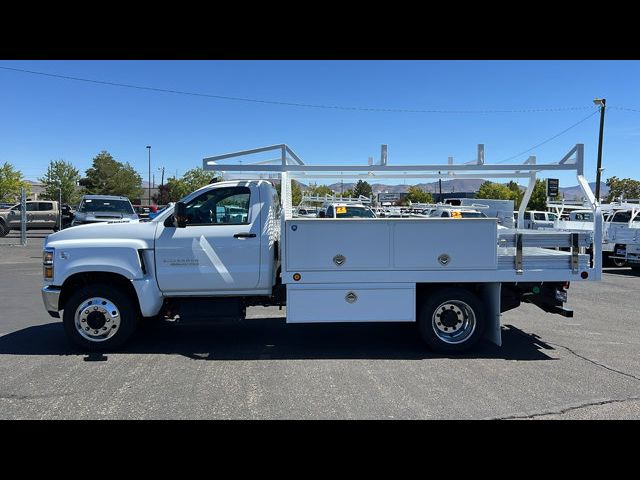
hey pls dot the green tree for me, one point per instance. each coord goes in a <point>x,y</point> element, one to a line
<point>177,188</point>
<point>107,176</point>
<point>323,190</point>
<point>61,175</point>
<point>317,190</point>
<point>625,187</point>
<point>10,183</point>
<point>348,193</point>
<point>296,192</point>
<point>417,195</point>
<point>538,199</point>
<point>516,193</point>
<point>362,188</point>
<point>497,191</point>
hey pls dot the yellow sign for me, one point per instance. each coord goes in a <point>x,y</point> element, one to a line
<point>341,210</point>
<point>456,214</point>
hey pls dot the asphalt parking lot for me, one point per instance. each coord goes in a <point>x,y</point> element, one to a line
<point>549,367</point>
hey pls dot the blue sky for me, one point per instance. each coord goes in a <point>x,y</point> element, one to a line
<point>45,118</point>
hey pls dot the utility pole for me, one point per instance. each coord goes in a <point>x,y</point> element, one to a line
<point>602,102</point>
<point>149,178</point>
<point>161,184</point>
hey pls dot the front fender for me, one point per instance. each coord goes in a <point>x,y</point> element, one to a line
<point>120,257</point>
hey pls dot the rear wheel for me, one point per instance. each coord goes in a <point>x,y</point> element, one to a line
<point>618,262</point>
<point>99,317</point>
<point>3,229</point>
<point>615,262</point>
<point>451,320</point>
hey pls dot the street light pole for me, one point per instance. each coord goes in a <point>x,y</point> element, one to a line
<point>149,179</point>
<point>602,102</point>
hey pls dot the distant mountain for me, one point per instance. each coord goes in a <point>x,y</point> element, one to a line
<point>462,185</point>
<point>459,185</point>
<point>571,193</point>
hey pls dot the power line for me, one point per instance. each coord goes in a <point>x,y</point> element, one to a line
<point>294,104</point>
<point>626,109</point>
<point>552,138</point>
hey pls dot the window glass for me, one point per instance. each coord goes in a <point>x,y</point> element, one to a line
<point>538,216</point>
<point>105,205</point>
<point>527,215</point>
<point>228,206</point>
<point>46,206</point>
<point>622,217</point>
<point>354,212</point>
<point>552,216</point>
<point>32,207</point>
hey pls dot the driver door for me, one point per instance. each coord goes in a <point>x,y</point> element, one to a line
<point>218,250</point>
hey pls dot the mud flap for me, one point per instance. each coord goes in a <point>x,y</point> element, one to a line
<point>490,294</point>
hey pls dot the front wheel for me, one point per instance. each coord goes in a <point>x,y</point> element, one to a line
<point>99,317</point>
<point>451,320</point>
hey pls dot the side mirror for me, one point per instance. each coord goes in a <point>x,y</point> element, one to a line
<point>321,214</point>
<point>180,215</point>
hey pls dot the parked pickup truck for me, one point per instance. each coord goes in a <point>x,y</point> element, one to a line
<point>235,244</point>
<point>104,209</point>
<point>40,215</point>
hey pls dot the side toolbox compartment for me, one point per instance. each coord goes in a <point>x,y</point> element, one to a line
<point>375,302</point>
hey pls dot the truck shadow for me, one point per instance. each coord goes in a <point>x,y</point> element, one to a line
<point>273,339</point>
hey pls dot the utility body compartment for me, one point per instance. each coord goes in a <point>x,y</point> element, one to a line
<point>390,244</point>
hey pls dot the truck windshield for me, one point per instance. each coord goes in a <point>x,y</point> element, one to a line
<point>473,215</point>
<point>98,205</point>
<point>354,212</point>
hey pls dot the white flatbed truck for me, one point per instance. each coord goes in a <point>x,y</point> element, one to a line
<point>235,244</point>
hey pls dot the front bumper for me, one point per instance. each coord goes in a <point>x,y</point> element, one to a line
<point>51,297</point>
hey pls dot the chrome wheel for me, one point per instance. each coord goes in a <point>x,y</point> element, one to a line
<point>453,321</point>
<point>97,319</point>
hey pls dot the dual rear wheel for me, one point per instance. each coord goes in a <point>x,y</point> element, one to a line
<point>451,320</point>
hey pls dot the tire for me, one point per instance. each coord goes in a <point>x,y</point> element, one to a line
<point>106,323</point>
<point>462,328</point>
<point>3,229</point>
<point>614,262</point>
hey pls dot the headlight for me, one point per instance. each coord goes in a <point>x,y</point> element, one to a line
<point>47,263</point>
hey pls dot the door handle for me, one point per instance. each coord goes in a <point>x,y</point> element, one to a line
<point>244,235</point>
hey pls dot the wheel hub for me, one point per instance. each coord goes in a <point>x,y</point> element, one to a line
<point>454,321</point>
<point>97,319</point>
